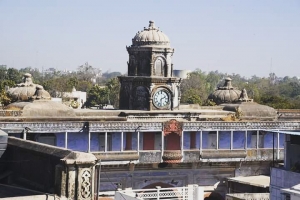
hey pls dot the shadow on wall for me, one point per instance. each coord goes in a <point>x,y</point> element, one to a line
<point>160,184</point>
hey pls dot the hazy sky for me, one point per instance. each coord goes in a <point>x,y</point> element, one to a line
<point>233,36</point>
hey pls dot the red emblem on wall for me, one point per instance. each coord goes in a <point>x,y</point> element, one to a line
<point>173,126</point>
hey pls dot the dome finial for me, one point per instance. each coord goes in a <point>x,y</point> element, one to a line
<point>151,24</point>
<point>151,36</point>
<point>227,83</point>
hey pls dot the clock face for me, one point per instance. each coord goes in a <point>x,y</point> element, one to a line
<point>161,98</point>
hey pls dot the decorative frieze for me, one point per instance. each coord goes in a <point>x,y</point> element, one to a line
<point>198,126</point>
<point>17,127</point>
<point>172,156</point>
<point>85,184</point>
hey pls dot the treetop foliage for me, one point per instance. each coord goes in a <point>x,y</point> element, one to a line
<point>85,79</point>
<point>280,93</point>
<point>104,89</point>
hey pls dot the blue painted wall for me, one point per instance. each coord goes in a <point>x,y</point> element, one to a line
<point>78,141</point>
<point>239,139</point>
<point>224,139</point>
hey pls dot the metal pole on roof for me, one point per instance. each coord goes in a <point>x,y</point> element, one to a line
<point>98,167</point>
<point>273,149</point>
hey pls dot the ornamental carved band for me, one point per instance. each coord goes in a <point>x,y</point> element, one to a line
<point>172,126</point>
<point>173,156</point>
<point>86,186</point>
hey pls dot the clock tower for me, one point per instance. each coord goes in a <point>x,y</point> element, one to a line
<point>150,84</point>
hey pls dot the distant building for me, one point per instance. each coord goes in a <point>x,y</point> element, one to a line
<point>181,73</point>
<point>49,71</point>
<point>74,99</point>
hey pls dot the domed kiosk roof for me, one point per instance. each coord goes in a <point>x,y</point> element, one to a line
<point>150,36</point>
<point>225,94</point>
<point>34,101</point>
<point>27,90</point>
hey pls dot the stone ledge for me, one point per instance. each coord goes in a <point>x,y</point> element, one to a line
<point>38,147</point>
<point>117,156</point>
<point>66,155</point>
<point>212,154</point>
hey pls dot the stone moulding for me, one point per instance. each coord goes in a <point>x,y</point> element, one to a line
<point>141,43</point>
<point>147,79</point>
<point>117,156</point>
<point>211,154</point>
<point>67,126</point>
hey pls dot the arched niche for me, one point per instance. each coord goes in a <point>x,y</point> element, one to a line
<point>159,66</point>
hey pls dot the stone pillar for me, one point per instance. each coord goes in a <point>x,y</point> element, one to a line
<point>75,177</point>
<point>60,181</point>
<point>71,180</point>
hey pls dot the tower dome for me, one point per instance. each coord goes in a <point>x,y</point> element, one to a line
<point>150,36</point>
<point>225,94</point>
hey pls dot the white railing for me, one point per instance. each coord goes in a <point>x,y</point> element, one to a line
<point>170,193</point>
<point>190,192</point>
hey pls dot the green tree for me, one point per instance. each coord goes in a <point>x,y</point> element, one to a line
<point>212,80</point>
<point>6,83</point>
<point>113,86</point>
<point>97,96</point>
<point>277,102</point>
<point>194,85</point>
<point>84,86</point>
<point>4,98</point>
<point>3,72</point>
<point>72,82</point>
<point>37,76</point>
<point>191,96</point>
<point>86,72</point>
<point>110,75</point>
<point>57,86</point>
<point>14,75</point>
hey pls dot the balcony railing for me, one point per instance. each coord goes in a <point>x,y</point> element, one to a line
<point>191,192</point>
<point>196,146</point>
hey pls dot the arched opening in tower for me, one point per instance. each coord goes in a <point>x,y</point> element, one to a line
<point>159,67</point>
